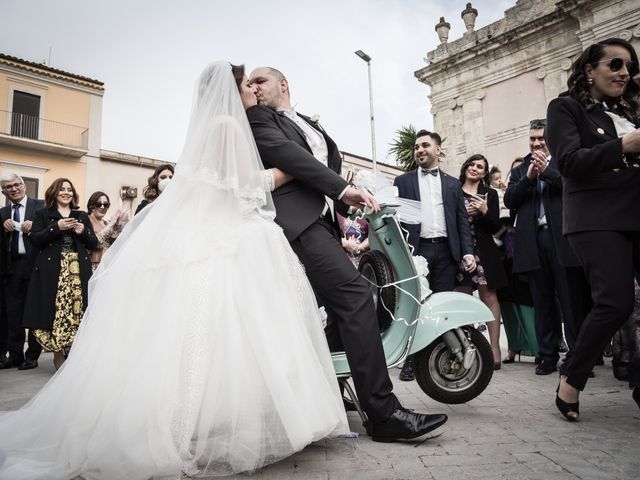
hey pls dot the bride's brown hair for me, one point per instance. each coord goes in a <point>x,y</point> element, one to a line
<point>238,74</point>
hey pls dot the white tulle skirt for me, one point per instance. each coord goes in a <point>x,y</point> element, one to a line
<point>201,353</point>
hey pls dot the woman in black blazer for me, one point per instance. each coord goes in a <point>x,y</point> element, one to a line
<point>592,133</point>
<point>57,294</point>
<point>483,210</point>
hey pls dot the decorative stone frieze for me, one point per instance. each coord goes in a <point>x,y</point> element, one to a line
<point>625,35</point>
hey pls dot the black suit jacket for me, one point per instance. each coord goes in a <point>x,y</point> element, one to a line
<point>282,144</point>
<point>455,213</point>
<point>522,196</point>
<point>600,191</point>
<point>5,213</point>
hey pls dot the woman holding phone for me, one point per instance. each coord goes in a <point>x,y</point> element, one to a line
<point>483,210</point>
<point>594,136</point>
<point>58,287</point>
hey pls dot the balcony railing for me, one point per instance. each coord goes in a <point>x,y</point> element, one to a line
<point>27,126</point>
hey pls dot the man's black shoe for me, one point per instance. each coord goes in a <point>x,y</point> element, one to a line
<point>404,424</point>
<point>546,367</point>
<point>10,362</point>
<point>407,374</point>
<point>28,365</point>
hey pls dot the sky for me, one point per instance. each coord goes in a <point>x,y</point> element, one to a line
<point>149,53</point>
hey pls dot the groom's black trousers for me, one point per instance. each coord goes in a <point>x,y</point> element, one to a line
<point>348,302</point>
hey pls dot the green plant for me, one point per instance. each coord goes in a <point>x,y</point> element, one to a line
<point>402,148</point>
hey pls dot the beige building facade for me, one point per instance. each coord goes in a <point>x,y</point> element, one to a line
<point>50,127</point>
<point>487,85</point>
<point>351,164</point>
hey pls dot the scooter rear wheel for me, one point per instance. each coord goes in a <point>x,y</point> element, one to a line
<point>376,268</point>
<point>444,379</point>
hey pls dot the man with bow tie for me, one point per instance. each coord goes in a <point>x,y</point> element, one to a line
<point>305,209</point>
<point>443,237</point>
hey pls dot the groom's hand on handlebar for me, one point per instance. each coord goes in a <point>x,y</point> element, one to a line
<point>358,199</point>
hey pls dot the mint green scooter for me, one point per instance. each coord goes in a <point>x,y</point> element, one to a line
<point>453,361</point>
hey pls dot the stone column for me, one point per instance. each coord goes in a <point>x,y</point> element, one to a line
<point>473,124</point>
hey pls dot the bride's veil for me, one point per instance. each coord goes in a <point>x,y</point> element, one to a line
<point>219,144</point>
<point>218,179</point>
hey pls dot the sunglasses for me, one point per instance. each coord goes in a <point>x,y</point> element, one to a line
<point>103,204</point>
<point>616,64</point>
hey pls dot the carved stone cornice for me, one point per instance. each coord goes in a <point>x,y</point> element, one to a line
<point>548,61</point>
<point>492,53</point>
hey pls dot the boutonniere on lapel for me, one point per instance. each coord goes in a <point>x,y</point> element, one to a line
<point>315,121</point>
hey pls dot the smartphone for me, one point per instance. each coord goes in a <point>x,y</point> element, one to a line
<point>75,214</point>
<point>480,195</point>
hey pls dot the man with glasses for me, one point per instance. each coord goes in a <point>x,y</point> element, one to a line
<point>16,221</point>
<point>542,253</point>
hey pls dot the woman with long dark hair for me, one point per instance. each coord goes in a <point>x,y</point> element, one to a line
<point>156,184</point>
<point>58,286</point>
<point>483,210</point>
<point>593,134</point>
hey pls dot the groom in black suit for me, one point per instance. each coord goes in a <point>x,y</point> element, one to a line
<point>305,209</point>
<point>443,237</point>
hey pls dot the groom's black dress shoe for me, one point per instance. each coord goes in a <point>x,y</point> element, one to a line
<point>404,424</point>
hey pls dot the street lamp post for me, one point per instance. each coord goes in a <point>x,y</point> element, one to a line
<point>367,59</point>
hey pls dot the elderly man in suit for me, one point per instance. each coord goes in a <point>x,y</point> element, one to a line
<point>16,221</point>
<point>540,250</point>
<point>305,209</point>
<point>443,237</point>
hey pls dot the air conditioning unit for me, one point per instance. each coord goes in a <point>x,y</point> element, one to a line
<point>128,193</point>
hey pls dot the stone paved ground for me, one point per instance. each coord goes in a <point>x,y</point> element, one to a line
<point>511,431</point>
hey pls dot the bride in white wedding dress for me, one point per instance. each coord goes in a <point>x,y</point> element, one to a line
<point>201,351</point>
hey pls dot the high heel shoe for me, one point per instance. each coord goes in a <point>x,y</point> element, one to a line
<point>636,395</point>
<point>511,359</point>
<point>567,408</point>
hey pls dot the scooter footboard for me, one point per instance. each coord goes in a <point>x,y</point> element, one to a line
<point>445,311</point>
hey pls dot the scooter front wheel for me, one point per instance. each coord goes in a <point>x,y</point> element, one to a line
<point>441,376</point>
